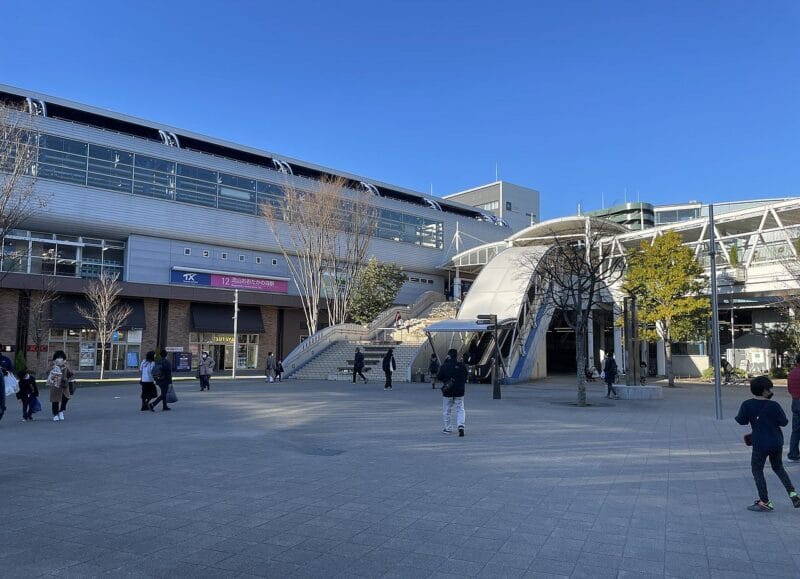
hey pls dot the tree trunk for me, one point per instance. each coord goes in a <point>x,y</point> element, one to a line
<point>668,361</point>
<point>580,358</point>
<point>102,360</point>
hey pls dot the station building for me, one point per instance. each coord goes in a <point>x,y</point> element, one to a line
<point>177,215</point>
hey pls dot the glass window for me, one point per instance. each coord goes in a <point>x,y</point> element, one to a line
<point>153,177</point>
<point>43,258</point>
<point>62,159</point>
<point>196,185</point>
<point>15,255</point>
<point>110,169</point>
<point>66,261</point>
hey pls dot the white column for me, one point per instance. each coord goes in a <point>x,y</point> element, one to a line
<point>619,355</point>
<point>661,356</point>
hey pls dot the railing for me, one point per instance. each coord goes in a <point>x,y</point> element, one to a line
<point>311,346</point>
<point>321,340</point>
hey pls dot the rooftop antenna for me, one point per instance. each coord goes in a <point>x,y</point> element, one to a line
<point>579,208</point>
<point>431,189</point>
<point>496,172</point>
<point>626,194</point>
<point>602,200</point>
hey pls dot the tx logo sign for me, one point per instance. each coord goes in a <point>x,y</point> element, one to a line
<point>189,278</point>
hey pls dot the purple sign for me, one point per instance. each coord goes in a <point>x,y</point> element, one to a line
<point>255,284</point>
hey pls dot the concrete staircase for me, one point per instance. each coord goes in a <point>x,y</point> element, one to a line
<point>336,362</point>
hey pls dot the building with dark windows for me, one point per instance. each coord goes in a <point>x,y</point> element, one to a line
<point>177,216</point>
<point>634,216</point>
<point>512,205</point>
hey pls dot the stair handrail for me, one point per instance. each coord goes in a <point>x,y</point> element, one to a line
<point>319,341</point>
<point>323,338</point>
<point>386,318</point>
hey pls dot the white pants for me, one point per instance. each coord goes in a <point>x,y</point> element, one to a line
<point>447,408</point>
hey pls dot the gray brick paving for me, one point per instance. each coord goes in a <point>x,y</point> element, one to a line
<point>315,479</point>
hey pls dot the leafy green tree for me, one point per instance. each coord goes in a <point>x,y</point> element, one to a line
<point>670,286</point>
<point>376,288</point>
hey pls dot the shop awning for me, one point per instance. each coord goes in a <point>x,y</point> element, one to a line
<point>65,314</point>
<point>219,318</point>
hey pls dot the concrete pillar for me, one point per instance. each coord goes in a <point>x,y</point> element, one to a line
<point>618,351</point>
<point>661,356</point>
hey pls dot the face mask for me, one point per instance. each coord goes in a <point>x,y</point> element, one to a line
<point>205,356</point>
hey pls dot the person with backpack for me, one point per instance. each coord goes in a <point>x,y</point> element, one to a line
<point>162,374</point>
<point>205,368</point>
<point>269,368</point>
<point>766,418</point>
<point>358,366</point>
<point>58,379</point>
<point>433,368</point>
<point>453,375</point>
<point>146,379</point>
<point>389,366</point>
<point>610,375</point>
<point>28,392</point>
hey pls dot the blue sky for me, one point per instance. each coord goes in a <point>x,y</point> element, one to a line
<point>675,100</point>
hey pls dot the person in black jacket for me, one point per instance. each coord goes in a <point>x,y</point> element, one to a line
<point>28,392</point>
<point>455,371</point>
<point>610,374</point>
<point>358,366</point>
<point>162,374</point>
<point>389,366</point>
<point>766,418</point>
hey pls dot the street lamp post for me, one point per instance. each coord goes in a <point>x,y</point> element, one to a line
<point>235,332</point>
<point>712,254</point>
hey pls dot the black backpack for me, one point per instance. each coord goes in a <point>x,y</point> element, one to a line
<point>158,371</point>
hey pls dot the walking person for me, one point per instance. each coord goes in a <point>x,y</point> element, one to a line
<point>28,392</point>
<point>6,367</point>
<point>398,320</point>
<point>433,368</point>
<point>269,368</point>
<point>358,366</point>
<point>610,375</point>
<point>766,417</point>
<point>58,379</point>
<point>389,366</point>
<point>453,375</point>
<point>162,374</point>
<point>794,391</point>
<point>279,371</point>
<point>146,379</point>
<point>205,368</point>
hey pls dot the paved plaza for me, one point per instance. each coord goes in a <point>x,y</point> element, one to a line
<point>318,479</point>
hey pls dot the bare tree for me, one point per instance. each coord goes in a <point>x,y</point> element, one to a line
<point>347,252</point>
<point>105,312</point>
<point>18,198</point>
<point>578,273</point>
<point>323,235</point>
<point>39,311</point>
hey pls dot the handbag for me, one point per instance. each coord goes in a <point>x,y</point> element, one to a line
<point>73,385</point>
<point>36,406</point>
<point>449,388</point>
<point>11,385</point>
<point>171,396</point>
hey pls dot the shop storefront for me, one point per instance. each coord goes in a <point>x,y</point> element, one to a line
<point>71,332</point>
<point>212,326</point>
<point>221,348</point>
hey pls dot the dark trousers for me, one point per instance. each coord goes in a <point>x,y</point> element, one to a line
<point>388,378</point>
<point>610,387</point>
<point>278,376</point>
<point>757,461</point>
<point>357,372</point>
<point>60,407</point>
<point>794,441</point>
<point>27,405</point>
<point>163,397</point>
<point>205,382</point>
<point>2,398</point>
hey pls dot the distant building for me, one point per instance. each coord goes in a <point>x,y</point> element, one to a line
<point>518,206</point>
<point>634,216</point>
